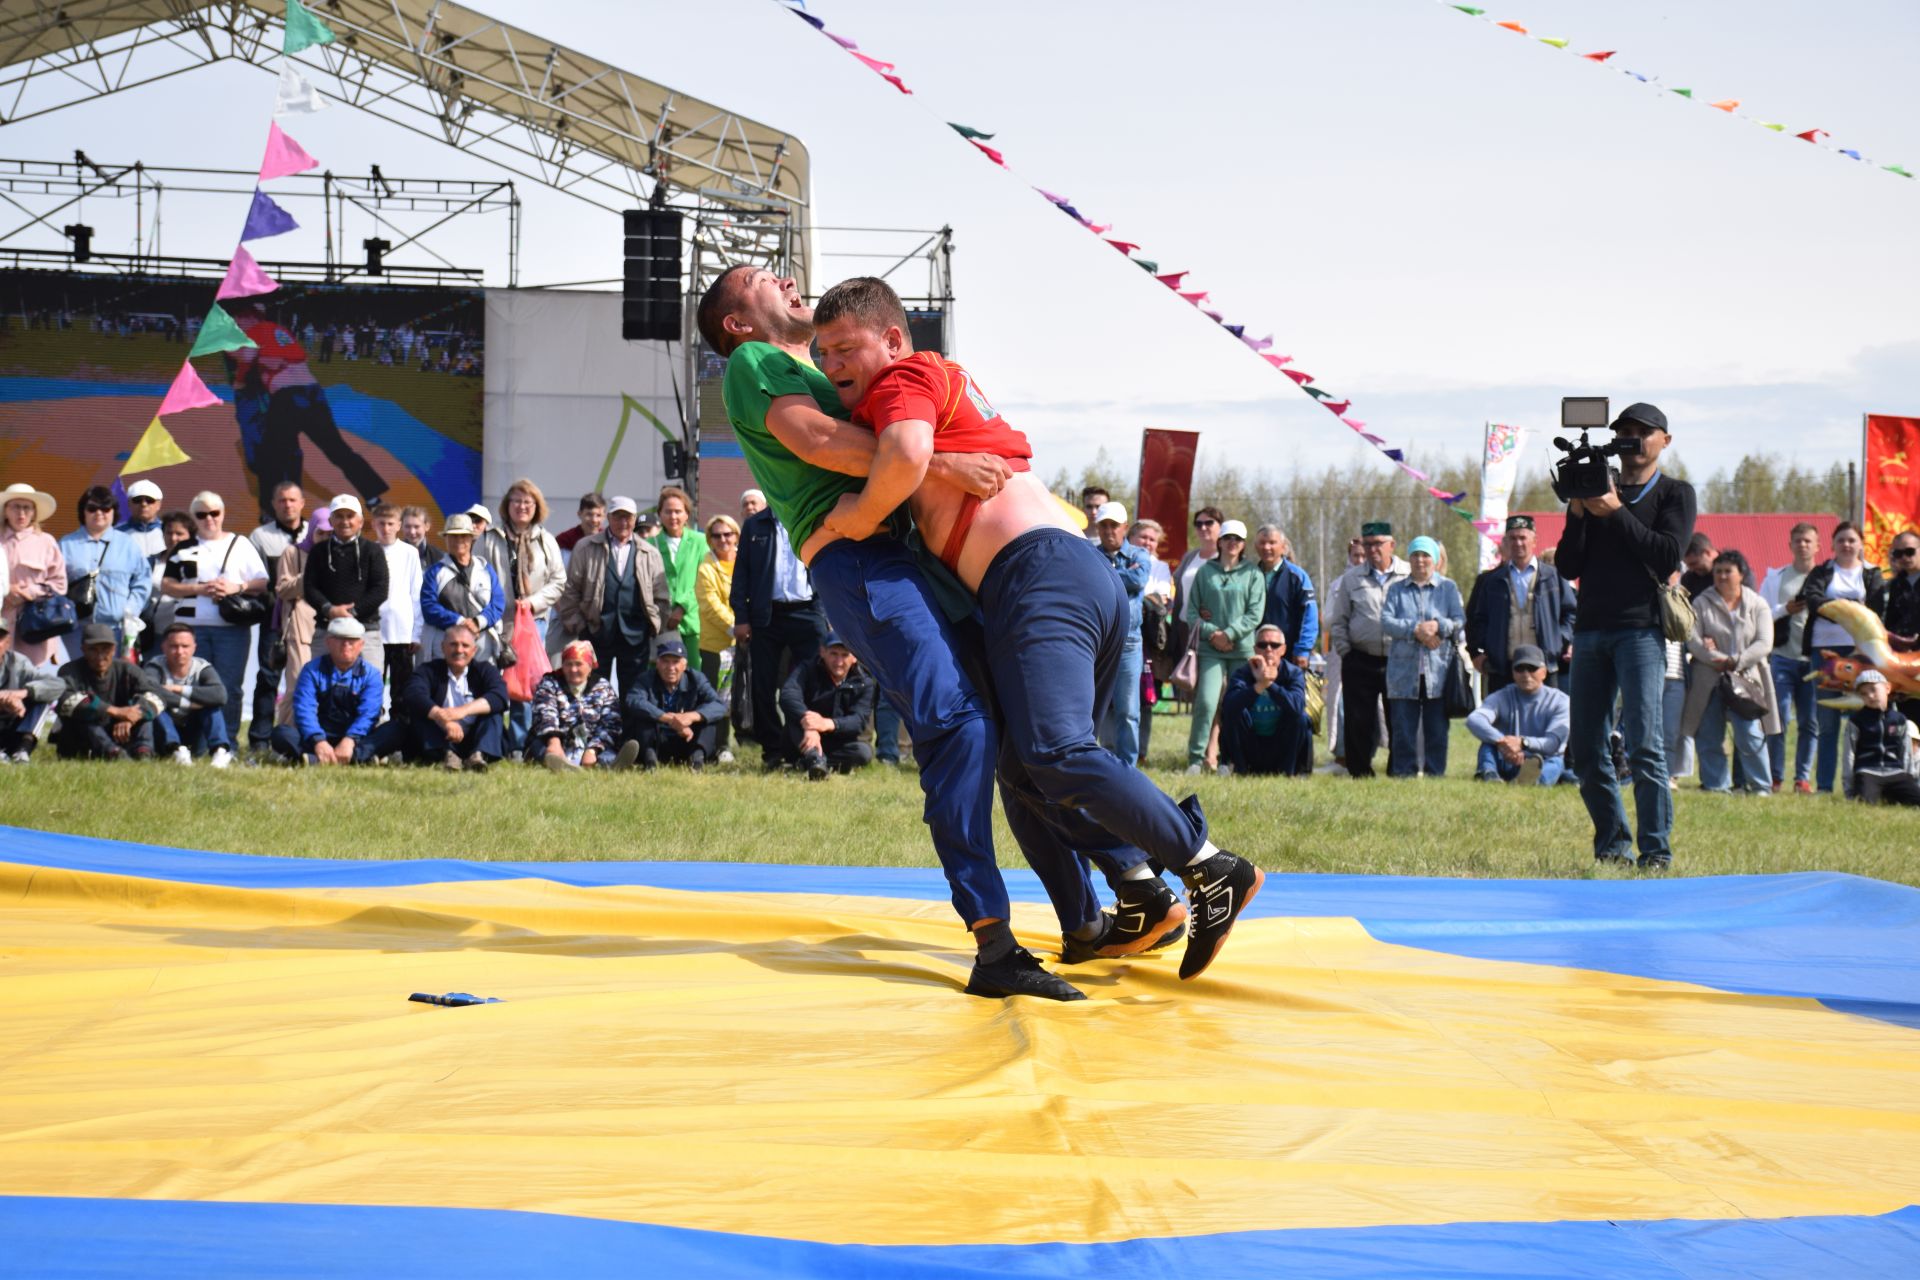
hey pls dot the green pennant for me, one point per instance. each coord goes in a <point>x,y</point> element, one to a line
<point>1685,93</point>
<point>1894,168</point>
<point>1147,265</point>
<point>1478,13</point>
<point>303,29</point>
<point>968,131</point>
<point>1316,392</point>
<point>219,333</point>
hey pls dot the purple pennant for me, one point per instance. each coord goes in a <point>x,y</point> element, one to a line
<point>1396,454</point>
<point>266,218</point>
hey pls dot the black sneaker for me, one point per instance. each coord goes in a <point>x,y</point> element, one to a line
<point>649,760</point>
<point>1145,912</point>
<point>697,761</point>
<point>1656,862</point>
<point>816,766</point>
<point>1613,858</point>
<point>1218,891</point>
<point>1019,974</point>
<point>1075,951</point>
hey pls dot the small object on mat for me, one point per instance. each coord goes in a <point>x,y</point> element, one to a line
<point>453,999</point>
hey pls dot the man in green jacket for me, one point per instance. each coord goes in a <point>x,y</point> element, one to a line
<point>681,550</point>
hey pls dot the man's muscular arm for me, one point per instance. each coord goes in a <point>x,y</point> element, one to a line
<point>899,465</point>
<point>834,445</point>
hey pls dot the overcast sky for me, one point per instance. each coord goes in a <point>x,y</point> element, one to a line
<point>1442,221</point>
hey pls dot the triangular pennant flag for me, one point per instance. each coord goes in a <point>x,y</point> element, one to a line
<point>295,96</point>
<point>1813,135</point>
<point>1437,493</point>
<point>1239,331</point>
<point>1637,76</point>
<point>1512,26</point>
<point>1172,279</point>
<point>219,333</point>
<point>1278,362</point>
<point>1147,265</point>
<point>875,63</point>
<point>1336,407</point>
<point>1099,228</point>
<point>1124,246</point>
<point>991,154</point>
<point>809,19</point>
<point>303,29</point>
<point>187,392</point>
<point>1355,423</point>
<point>1315,392</point>
<point>1214,316</point>
<point>1558,42</point>
<point>846,44</point>
<point>1601,56</point>
<point>245,278</point>
<point>884,70</point>
<point>1261,344</point>
<point>266,218</point>
<point>1768,124</point>
<point>1073,213</point>
<point>970,133</point>
<point>1685,93</point>
<point>1848,152</point>
<point>1042,190</point>
<point>1396,454</point>
<point>1371,438</point>
<point>284,156</point>
<point>1894,168</point>
<point>1728,105</point>
<point>1470,9</point>
<point>157,448</point>
<point>1195,298</point>
<point>1416,473</point>
<point>1302,378</point>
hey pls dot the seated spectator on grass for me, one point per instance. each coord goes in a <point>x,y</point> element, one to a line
<point>336,703</point>
<point>454,704</point>
<point>1522,726</point>
<point>1263,714</point>
<point>592,519</point>
<point>828,705</point>
<point>193,723</point>
<point>106,569</point>
<point>25,694</point>
<point>108,706</point>
<point>1420,619</point>
<point>1881,746</point>
<point>672,711</point>
<point>576,715</point>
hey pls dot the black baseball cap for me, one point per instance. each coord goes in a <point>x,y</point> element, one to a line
<point>1644,414</point>
<point>1528,655</point>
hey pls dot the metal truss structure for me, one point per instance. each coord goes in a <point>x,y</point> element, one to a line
<point>550,114</point>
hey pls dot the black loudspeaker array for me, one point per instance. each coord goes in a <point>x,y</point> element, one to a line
<point>650,292</point>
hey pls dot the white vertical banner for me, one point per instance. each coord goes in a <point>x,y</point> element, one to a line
<point>1499,473</point>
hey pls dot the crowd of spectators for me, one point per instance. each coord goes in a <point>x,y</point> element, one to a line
<point>652,641</point>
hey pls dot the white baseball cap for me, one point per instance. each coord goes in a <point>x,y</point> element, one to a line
<point>347,629</point>
<point>479,512</point>
<point>620,503</point>
<point>1113,511</point>
<point>346,502</point>
<point>1234,529</point>
<point>144,489</point>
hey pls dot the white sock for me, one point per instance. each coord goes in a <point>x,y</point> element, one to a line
<point>1207,849</point>
<point>1142,872</point>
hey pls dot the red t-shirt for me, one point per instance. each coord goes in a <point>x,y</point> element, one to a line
<point>928,387</point>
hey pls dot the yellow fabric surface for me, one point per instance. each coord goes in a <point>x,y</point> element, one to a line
<point>804,1066</point>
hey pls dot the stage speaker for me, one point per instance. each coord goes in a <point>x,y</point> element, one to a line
<point>650,293</point>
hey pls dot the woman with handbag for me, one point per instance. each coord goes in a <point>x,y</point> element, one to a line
<point>527,562</point>
<point>1845,577</point>
<point>36,570</point>
<point>1732,640</point>
<point>221,584</point>
<point>108,578</point>
<point>1421,618</point>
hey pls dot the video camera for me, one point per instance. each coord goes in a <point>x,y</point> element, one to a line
<point>1585,472</point>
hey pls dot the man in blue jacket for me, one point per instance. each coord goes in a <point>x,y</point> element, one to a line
<point>1263,714</point>
<point>1120,726</point>
<point>1520,601</point>
<point>672,711</point>
<point>454,705</point>
<point>1290,603</point>
<point>336,703</point>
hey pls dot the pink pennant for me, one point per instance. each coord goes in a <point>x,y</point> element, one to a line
<point>883,69</point>
<point>284,156</point>
<point>245,278</point>
<point>1278,362</point>
<point>1355,423</point>
<point>875,63</point>
<point>1099,228</point>
<point>1054,198</point>
<point>1195,298</point>
<point>1214,316</point>
<point>1259,344</point>
<point>1125,246</point>
<point>989,152</point>
<point>1172,279</point>
<point>1371,438</point>
<point>1302,378</point>
<point>1441,494</point>
<point>187,392</point>
<point>1416,473</point>
<point>1337,408</point>
<point>842,41</point>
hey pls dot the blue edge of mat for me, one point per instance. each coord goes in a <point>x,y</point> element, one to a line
<point>1852,943</point>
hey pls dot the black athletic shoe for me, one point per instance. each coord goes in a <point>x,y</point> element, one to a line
<point>1145,912</point>
<point>816,766</point>
<point>1075,951</point>
<point>1218,891</point>
<point>1613,858</point>
<point>1019,974</point>
<point>1657,862</point>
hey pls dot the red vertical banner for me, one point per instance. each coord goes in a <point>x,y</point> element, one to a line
<point>1166,480</point>
<point>1890,486</point>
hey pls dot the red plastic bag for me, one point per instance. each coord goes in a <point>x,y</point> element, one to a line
<point>530,656</point>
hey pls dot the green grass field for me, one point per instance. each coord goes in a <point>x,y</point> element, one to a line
<point>1439,827</point>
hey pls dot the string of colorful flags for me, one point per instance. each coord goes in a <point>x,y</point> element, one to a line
<point>244,278</point>
<point>1731,106</point>
<point>1340,406</point>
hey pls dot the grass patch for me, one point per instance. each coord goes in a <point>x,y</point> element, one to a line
<point>1433,827</point>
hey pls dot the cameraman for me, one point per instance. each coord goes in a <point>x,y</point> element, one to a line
<point>1623,546</point>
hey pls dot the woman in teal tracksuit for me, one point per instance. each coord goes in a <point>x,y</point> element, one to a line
<point>1229,595</point>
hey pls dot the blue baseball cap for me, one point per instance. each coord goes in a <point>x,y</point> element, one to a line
<point>670,646</point>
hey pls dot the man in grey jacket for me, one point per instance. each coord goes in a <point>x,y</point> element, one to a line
<point>1353,623</point>
<point>26,692</point>
<point>619,611</point>
<point>190,689</point>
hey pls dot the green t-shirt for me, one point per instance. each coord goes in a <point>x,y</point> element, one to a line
<point>800,493</point>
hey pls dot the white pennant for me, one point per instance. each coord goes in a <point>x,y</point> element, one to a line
<point>296,96</point>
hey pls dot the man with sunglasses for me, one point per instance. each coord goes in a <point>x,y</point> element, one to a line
<point>1903,604</point>
<point>1621,547</point>
<point>1263,715</point>
<point>143,521</point>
